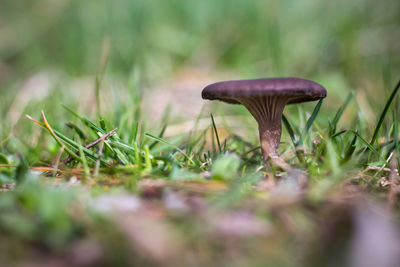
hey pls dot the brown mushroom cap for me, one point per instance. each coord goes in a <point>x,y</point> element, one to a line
<point>265,99</point>
<point>297,89</point>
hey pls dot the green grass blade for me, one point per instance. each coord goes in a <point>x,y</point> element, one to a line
<point>191,144</point>
<point>134,133</point>
<point>168,143</point>
<point>369,146</point>
<point>51,131</point>
<point>339,133</point>
<point>147,158</point>
<point>97,129</point>
<point>68,141</point>
<point>102,123</point>
<point>122,146</point>
<point>84,161</point>
<point>160,136</point>
<point>76,129</point>
<point>216,133</point>
<point>293,137</point>
<point>396,136</point>
<point>163,147</point>
<point>310,121</point>
<point>313,116</point>
<point>383,115</point>
<point>350,149</point>
<point>138,159</point>
<point>289,128</point>
<point>339,114</point>
<point>85,120</point>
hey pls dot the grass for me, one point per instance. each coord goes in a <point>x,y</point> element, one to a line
<point>96,174</point>
<point>325,160</point>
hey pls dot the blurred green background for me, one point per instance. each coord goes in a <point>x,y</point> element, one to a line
<point>51,52</point>
<point>350,39</point>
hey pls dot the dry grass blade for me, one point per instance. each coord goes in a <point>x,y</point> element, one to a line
<point>57,160</point>
<point>46,125</point>
<point>35,121</point>
<point>97,166</point>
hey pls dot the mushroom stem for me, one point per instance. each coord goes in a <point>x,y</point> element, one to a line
<point>268,112</point>
<point>270,136</point>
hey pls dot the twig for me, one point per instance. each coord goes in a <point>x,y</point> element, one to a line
<point>384,165</point>
<point>37,168</point>
<point>95,142</point>
<point>376,168</point>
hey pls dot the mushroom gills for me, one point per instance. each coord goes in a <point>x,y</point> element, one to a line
<point>267,111</point>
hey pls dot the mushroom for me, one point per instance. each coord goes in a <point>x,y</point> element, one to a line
<point>266,99</point>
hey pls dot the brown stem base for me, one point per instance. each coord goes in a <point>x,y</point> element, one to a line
<point>269,141</point>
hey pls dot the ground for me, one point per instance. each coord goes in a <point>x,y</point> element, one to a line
<point>109,156</point>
